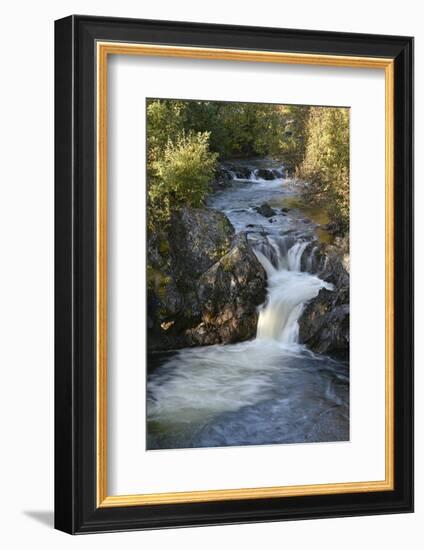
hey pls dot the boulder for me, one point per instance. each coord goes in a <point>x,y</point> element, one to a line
<point>265,210</point>
<point>203,283</point>
<point>329,261</point>
<point>324,323</point>
<point>241,172</point>
<point>222,179</point>
<point>265,174</point>
<point>229,293</point>
<point>197,239</point>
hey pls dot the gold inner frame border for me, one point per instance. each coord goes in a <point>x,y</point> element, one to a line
<point>103,50</point>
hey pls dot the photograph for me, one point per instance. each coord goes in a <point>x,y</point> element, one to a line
<point>247,273</point>
<point>233,266</point>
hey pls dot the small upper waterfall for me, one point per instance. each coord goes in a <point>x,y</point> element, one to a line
<point>246,173</point>
<point>288,288</point>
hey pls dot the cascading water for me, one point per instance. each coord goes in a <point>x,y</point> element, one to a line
<point>288,290</point>
<point>270,389</point>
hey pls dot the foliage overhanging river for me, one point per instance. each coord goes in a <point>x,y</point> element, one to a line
<point>268,390</point>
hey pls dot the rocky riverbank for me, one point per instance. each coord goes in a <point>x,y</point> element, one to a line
<point>324,323</point>
<point>204,283</point>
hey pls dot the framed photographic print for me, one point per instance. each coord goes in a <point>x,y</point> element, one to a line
<point>233,274</point>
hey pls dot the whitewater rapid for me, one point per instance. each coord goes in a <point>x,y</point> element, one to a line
<point>271,389</point>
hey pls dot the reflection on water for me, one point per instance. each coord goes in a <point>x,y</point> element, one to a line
<point>318,215</point>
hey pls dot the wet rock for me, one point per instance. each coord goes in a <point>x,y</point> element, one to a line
<point>240,172</point>
<point>203,284</point>
<point>265,174</point>
<point>324,323</point>
<point>285,210</point>
<point>329,261</point>
<point>229,293</point>
<point>265,210</point>
<point>243,173</point>
<point>198,238</point>
<point>195,240</point>
<point>222,179</point>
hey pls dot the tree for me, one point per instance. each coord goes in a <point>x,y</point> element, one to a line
<point>181,176</point>
<point>293,144</point>
<point>325,167</point>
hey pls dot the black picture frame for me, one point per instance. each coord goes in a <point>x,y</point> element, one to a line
<point>76,508</point>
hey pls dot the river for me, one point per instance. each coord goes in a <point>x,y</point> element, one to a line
<point>270,390</point>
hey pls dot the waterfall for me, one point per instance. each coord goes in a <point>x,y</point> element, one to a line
<point>268,390</point>
<point>253,174</point>
<point>288,289</point>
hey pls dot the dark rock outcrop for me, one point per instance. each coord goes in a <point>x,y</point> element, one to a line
<point>223,179</point>
<point>198,237</point>
<point>265,210</point>
<point>229,293</point>
<point>324,323</point>
<point>240,172</point>
<point>265,174</point>
<point>203,284</point>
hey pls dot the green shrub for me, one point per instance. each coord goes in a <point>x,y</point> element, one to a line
<point>325,167</point>
<point>181,176</point>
